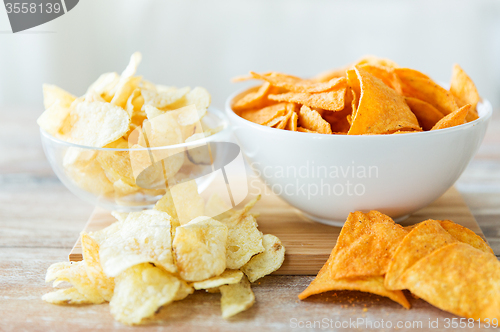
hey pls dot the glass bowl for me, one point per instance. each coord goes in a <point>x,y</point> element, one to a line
<point>135,178</point>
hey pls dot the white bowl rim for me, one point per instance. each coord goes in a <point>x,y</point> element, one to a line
<point>486,112</point>
<point>211,138</point>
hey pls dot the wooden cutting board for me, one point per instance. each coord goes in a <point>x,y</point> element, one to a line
<point>308,244</point>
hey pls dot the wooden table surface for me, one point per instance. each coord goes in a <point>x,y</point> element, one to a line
<point>40,221</point>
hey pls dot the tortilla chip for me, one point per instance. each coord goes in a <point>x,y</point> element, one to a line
<point>264,115</point>
<point>376,61</point>
<point>296,84</point>
<point>465,92</point>
<point>385,74</point>
<point>465,235</point>
<point>426,237</point>
<point>427,115</point>
<point>459,279</point>
<point>418,85</point>
<point>381,110</point>
<point>329,100</point>
<point>253,100</point>
<point>292,122</point>
<point>453,119</point>
<point>304,130</point>
<point>312,120</point>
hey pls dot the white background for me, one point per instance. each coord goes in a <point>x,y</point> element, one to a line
<point>207,42</point>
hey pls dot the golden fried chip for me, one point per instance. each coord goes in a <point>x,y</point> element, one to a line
<point>143,237</point>
<point>124,90</point>
<point>97,124</point>
<point>236,298</point>
<point>312,120</point>
<point>459,279</point>
<point>385,74</point>
<point>381,110</point>
<point>417,85</point>
<point>184,291</point>
<point>422,240</point>
<point>376,61</point>
<point>465,235</point>
<point>304,130</point>
<point>200,249</point>
<point>264,115</point>
<point>238,215</point>
<point>266,262</point>
<point>89,176</point>
<point>104,86</point>
<point>296,84</point>
<point>116,164</point>
<point>164,98</point>
<point>292,122</point>
<point>140,291</point>
<point>325,282</point>
<point>244,240</point>
<point>332,73</point>
<point>69,296</point>
<point>52,93</point>
<point>188,202</point>
<point>427,115</point>
<point>53,119</point>
<point>366,245</point>
<point>253,99</point>
<point>120,216</point>
<point>285,119</point>
<point>217,208</point>
<point>330,100</point>
<point>355,87</point>
<point>227,277</point>
<point>453,119</point>
<point>464,91</point>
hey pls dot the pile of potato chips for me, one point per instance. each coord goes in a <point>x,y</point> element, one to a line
<point>443,263</point>
<point>129,113</point>
<point>149,259</point>
<point>371,96</point>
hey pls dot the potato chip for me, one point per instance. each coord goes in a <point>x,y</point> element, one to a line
<point>465,235</point>
<point>90,253</point>
<point>453,119</point>
<point>199,97</point>
<point>200,249</point>
<point>296,84</point>
<point>116,165</point>
<point>104,86</point>
<point>89,176</point>
<point>325,282</point>
<point>124,90</point>
<point>427,115</point>
<point>140,291</point>
<point>366,245</point>
<point>464,91</point>
<point>237,216</point>
<point>184,291</point>
<point>166,204</point>
<point>97,124</point>
<point>264,115</point>
<point>188,202</point>
<point>69,296</point>
<point>244,240</point>
<point>217,208</point>
<point>254,99</point>
<point>423,239</point>
<point>417,85</point>
<point>120,216</point>
<point>385,74</point>
<point>330,100</point>
<point>266,262</point>
<point>466,282</point>
<point>143,237</point>
<point>236,298</point>
<point>381,110</point>
<point>312,120</point>
<point>227,277</point>
<point>165,98</point>
<point>52,120</point>
<point>52,93</point>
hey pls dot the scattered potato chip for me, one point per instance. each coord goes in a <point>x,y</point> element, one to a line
<point>464,91</point>
<point>266,262</point>
<point>381,110</point>
<point>52,93</point>
<point>143,237</point>
<point>217,208</point>
<point>329,100</point>
<point>238,215</point>
<point>466,282</point>
<point>236,298</point>
<point>140,291</point>
<point>244,240</point>
<point>120,216</point>
<point>296,84</point>
<point>453,119</point>
<point>312,120</point>
<point>422,240</point>
<point>227,277</point>
<point>427,115</point>
<point>66,296</point>
<point>200,249</point>
<point>188,202</point>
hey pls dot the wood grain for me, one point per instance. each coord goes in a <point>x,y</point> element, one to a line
<point>308,244</point>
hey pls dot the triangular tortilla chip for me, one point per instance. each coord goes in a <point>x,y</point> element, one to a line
<point>453,119</point>
<point>386,74</point>
<point>464,91</point>
<point>465,235</point>
<point>381,110</point>
<point>427,115</point>
<point>330,100</point>
<point>296,84</point>
<point>264,115</point>
<point>312,120</point>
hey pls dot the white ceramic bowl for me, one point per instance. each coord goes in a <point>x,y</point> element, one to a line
<point>328,176</point>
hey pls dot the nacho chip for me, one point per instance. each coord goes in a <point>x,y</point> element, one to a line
<point>466,282</point>
<point>427,115</point>
<point>236,298</point>
<point>52,93</point>
<point>385,74</point>
<point>296,84</point>
<point>227,277</point>
<point>264,115</point>
<point>304,130</point>
<point>312,120</point>
<point>355,87</point>
<point>464,91</point>
<point>143,237</point>
<point>292,122</point>
<point>381,110</point>
<point>244,240</point>
<point>376,61</point>
<point>140,291</point>
<point>330,100</point>
<point>366,245</point>
<point>423,239</point>
<point>417,85</point>
<point>253,100</point>
<point>286,118</point>
<point>200,249</point>
<point>465,235</point>
<point>266,262</point>
<point>453,119</point>
<point>332,73</point>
